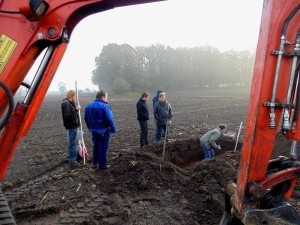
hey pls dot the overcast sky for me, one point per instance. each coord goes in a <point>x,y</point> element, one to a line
<point>230,24</point>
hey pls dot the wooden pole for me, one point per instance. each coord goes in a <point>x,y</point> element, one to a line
<point>81,130</point>
<point>165,140</point>
<point>237,137</point>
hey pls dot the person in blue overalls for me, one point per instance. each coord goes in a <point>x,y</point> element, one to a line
<point>100,122</point>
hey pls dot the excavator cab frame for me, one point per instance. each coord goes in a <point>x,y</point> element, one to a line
<point>263,187</point>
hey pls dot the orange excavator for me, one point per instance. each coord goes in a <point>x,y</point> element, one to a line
<point>30,28</point>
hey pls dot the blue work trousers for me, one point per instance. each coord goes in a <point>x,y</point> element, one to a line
<point>159,129</point>
<point>100,149</point>
<point>208,153</point>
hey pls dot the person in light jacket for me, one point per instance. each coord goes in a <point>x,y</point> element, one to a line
<point>209,139</point>
<point>163,115</point>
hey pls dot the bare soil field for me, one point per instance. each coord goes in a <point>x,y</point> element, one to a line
<point>141,187</point>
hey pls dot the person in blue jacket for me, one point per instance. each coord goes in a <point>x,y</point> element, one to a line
<point>155,98</point>
<point>100,122</point>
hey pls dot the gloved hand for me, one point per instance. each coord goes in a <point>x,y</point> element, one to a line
<point>219,147</point>
<point>169,122</point>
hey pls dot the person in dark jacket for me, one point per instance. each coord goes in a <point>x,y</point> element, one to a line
<point>143,117</point>
<point>71,123</point>
<point>163,115</point>
<point>100,122</point>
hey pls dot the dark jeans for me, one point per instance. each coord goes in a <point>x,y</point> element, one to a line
<point>100,149</point>
<point>73,144</point>
<point>144,132</point>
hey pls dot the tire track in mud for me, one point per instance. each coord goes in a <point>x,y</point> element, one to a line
<point>74,210</point>
<point>85,210</point>
<point>6,218</point>
<point>33,183</point>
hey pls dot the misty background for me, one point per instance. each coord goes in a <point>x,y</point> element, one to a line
<point>170,44</point>
<point>122,68</point>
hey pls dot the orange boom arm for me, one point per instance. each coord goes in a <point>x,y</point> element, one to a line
<point>264,186</point>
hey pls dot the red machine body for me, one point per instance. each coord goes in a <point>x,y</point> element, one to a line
<point>29,27</point>
<point>263,186</point>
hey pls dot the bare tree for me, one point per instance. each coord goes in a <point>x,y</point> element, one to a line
<point>62,87</point>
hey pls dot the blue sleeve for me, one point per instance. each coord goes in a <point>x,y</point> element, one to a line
<point>110,119</point>
<point>154,100</point>
<point>85,118</point>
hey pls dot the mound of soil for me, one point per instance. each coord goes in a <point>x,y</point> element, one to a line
<point>143,185</point>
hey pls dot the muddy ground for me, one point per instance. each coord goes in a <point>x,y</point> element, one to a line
<point>140,187</point>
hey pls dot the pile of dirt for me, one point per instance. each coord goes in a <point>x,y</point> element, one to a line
<point>139,188</point>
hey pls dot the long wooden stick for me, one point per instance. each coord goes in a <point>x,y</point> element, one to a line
<point>44,197</point>
<point>82,140</point>
<point>165,140</point>
<point>237,138</point>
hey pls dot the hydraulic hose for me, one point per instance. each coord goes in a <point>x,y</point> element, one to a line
<point>288,19</point>
<point>10,105</point>
<point>278,65</point>
<point>297,107</point>
<point>286,120</point>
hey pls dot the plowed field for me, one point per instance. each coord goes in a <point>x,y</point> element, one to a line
<point>141,187</point>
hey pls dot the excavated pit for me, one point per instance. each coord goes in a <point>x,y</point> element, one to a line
<point>185,153</point>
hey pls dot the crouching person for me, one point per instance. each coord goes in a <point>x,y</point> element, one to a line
<point>209,139</point>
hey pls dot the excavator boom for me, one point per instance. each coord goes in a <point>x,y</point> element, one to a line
<point>263,185</point>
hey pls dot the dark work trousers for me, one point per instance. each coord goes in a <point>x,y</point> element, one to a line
<point>144,132</point>
<point>100,149</point>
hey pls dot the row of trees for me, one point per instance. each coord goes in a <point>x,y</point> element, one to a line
<point>122,68</point>
<point>62,88</point>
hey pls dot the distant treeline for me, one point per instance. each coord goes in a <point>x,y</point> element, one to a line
<point>122,68</point>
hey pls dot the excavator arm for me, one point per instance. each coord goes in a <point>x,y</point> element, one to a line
<point>264,186</point>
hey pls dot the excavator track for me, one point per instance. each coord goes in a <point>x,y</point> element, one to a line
<point>6,217</point>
